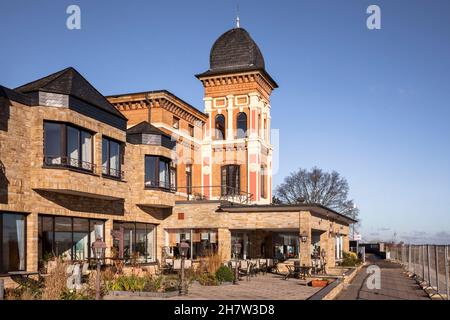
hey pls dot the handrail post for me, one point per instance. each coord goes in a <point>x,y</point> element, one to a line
<point>429,264</point>
<point>436,254</point>
<point>423,262</point>
<point>409,258</point>
<point>447,288</point>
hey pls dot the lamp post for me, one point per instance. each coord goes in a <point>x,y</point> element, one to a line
<point>183,248</point>
<point>98,249</point>
<point>237,249</point>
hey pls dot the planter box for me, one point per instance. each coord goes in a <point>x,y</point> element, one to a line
<point>145,294</point>
<point>319,283</point>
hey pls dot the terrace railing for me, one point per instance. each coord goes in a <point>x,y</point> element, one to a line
<point>429,264</point>
<point>68,162</point>
<point>221,193</point>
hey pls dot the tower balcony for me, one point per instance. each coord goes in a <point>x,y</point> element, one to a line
<point>213,193</point>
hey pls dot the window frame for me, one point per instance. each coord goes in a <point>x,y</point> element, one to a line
<point>175,122</point>
<point>226,188</point>
<point>262,184</point>
<point>157,182</point>
<point>238,121</point>
<point>65,159</point>
<point>53,218</point>
<point>155,239</point>
<point>188,179</point>
<point>24,215</point>
<point>119,175</point>
<point>191,130</point>
<point>217,130</point>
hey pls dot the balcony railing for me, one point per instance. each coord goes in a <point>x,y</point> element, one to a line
<point>157,184</point>
<point>221,193</point>
<point>67,162</point>
<point>113,173</point>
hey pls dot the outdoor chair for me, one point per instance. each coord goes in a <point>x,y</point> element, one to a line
<point>187,264</point>
<point>233,264</point>
<point>254,267</point>
<point>244,269</point>
<point>263,265</point>
<point>85,269</point>
<point>177,264</point>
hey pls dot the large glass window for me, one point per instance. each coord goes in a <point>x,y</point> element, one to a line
<point>111,156</point>
<point>202,242</point>
<point>220,127</point>
<point>53,143</point>
<point>67,237</point>
<point>158,173</point>
<point>12,242</point>
<point>66,145</point>
<point>241,125</point>
<point>139,241</point>
<point>230,179</point>
<point>63,237</point>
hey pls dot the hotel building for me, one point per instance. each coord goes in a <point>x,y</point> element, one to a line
<point>145,171</point>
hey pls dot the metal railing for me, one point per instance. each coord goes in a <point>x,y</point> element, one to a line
<point>221,193</point>
<point>158,184</point>
<point>113,173</point>
<point>68,162</point>
<point>429,264</point>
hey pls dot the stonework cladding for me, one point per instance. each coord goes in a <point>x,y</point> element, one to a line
<point>28,187</point>
<point>261,224</point>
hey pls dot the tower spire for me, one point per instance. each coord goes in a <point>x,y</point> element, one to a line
<point>238,25</point>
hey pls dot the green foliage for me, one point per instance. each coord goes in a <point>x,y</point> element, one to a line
<point>350,259</point>
<point>224,274</point>
<point>147,284</point>
<point>127,283</point>
<point>74,295</point>
<point>208,279</point>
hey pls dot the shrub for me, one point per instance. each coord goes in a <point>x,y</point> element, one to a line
<point>127,283</point>
<point>74,295</point>
<point>224,274</point>
<point>208,279</point>
<point>211,262</point>
<point>55,283</point>
<point>154,284</point>
<point>350,259</point>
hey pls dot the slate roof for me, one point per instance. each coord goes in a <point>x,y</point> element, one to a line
<point>235,51</point>
<point>70,82</point>
<point>145,127</point>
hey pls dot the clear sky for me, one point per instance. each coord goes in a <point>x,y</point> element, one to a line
<point>371,104</point>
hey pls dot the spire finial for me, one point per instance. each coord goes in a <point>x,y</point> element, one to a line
<point>238,25</point>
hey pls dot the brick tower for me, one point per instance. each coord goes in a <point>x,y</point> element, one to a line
<point>236,147</point>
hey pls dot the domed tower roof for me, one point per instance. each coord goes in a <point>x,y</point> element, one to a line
<point>235,50</point>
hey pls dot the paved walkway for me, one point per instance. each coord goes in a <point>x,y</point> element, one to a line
<point>262,287</point>
<point>395,284</point>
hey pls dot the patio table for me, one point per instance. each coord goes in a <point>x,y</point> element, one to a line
<point>22,278</point>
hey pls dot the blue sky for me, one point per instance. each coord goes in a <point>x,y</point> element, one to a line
<point>373,105</point>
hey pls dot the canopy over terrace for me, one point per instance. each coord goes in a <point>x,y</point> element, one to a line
<point>287,231</point>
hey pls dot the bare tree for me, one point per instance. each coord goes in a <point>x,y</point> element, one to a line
<point>317,187</point>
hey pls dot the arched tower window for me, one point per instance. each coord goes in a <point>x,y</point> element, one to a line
<point>241,125</point>
<point>220,127</point>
